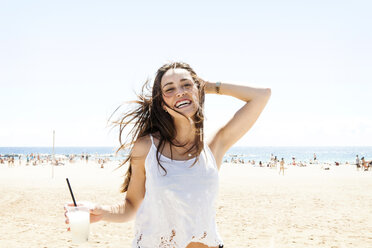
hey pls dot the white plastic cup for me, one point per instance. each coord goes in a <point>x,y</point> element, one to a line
<point>79,218</point>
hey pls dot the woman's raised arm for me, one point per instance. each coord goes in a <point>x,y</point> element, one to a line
<point>256,100</point>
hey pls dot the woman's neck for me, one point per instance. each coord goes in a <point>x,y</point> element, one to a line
<point>185,131</point>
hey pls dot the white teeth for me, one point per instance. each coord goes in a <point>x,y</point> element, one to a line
<point>181,103</point>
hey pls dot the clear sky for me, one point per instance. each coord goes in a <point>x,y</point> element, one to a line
<point>66,66</point>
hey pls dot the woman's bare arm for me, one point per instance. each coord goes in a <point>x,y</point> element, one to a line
<point>126,211</point>
<point>256,100</point>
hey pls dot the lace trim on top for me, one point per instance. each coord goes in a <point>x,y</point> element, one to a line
<point>169,242</point>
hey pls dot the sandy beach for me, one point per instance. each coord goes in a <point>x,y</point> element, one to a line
<point>308,207</point>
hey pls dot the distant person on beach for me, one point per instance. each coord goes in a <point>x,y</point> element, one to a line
<point>314,157</point>
<point>172,180</point>
<point>281,166</point>
<point>357,162</point>
<point>293,161</point>
<point>365,164</point>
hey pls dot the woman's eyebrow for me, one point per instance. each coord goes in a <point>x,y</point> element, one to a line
<point>182,80</point>
<point>167,84</point>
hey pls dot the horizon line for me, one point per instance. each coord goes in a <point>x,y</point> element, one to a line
<point>230,147</point>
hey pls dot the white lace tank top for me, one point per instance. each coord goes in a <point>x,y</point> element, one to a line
<point>178,207</point>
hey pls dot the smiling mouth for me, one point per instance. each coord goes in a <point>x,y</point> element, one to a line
<point>182,104</point>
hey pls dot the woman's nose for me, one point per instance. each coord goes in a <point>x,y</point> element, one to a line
<point>181,92</point>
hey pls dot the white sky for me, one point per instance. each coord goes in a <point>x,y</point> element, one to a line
<point>67,65</point>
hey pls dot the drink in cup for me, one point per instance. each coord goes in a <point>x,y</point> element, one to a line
<point>79,218</point>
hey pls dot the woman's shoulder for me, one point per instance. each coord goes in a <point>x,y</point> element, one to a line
<point>141,147</point>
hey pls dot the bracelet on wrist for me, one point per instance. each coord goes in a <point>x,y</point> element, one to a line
<point>218,86</point>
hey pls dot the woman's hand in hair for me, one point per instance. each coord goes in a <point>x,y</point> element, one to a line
<point>209,87</point>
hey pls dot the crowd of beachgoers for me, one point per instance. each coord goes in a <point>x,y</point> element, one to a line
<point>44,159</point>
<point>272,162</point>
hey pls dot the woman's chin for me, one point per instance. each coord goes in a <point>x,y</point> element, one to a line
<point>190,113</point>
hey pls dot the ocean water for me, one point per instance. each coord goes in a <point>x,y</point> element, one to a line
<point>324,154</point>
<point>303,153</point>
<point>58,150</point>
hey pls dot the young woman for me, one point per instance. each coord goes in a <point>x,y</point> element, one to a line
<point>172,181</point>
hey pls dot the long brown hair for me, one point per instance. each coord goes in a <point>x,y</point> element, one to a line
<point>149,117</point>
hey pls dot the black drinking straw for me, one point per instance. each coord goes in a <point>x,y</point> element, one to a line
<point>72,194</point>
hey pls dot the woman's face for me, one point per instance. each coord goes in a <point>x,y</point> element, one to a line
<point>179,92</point>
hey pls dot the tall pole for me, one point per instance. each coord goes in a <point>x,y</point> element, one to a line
<point>53,155</point>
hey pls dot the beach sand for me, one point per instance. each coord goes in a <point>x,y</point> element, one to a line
<point>308,207</point>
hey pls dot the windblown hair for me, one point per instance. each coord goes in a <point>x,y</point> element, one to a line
<point>149,117</point>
